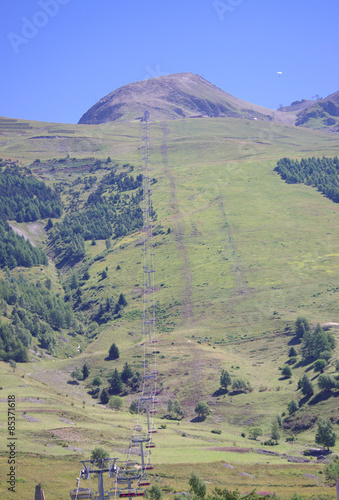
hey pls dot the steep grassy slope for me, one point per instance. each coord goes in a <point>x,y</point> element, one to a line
<point>245,256</point>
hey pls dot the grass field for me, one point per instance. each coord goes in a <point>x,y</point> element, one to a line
<point>245,256</point>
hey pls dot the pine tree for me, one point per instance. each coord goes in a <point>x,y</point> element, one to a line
<point>113,352</point>
<point>115,382</point>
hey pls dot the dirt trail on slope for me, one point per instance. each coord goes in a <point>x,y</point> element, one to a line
<point>230,247</point>
<point>178,230</point>
<point>195,368</point>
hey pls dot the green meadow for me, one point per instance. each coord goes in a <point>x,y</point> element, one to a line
<point>239,255</point>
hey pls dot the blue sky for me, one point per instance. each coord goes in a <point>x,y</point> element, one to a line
<point>59,57</point>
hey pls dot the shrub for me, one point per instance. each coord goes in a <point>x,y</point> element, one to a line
<point>292,407</point>
<point>320,365</point>
<point>116,402</point>
<point>292,352</point>
<point>332,471</point>
<point>97,380</point>
<point>240,385</point>
<point>291,438</point>
<point>133,407</point>
<point>202,409</point>
<point>255,432</point>
<point>286,371</point>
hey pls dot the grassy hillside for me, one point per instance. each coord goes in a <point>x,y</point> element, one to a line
<point>246,255</point>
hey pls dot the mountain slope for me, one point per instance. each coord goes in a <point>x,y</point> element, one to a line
<point>238,255</point>
<point>322,114</point>
<point>181,95</point>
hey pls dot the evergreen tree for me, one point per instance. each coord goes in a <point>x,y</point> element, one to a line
<point>85,371</point>
<point>122,301</point>
<point>113,352</point>
<point>126,373</point>
<point>104,397</point>
<point>115,382</point>
<point>301,327</point>
<point>292,352</point>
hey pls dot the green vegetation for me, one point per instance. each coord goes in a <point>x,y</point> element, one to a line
<point>322,173</point>
<point>23,197</point>
<point>113,352</point>
<point>109,212</point>
<point>16,251</point>
<point>246,255</point>
<point>255,432</point>
<point>325,435</point>
<point>202,409</point>
<point>225,379</point>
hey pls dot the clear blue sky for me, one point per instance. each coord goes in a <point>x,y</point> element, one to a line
<point>59,57</point>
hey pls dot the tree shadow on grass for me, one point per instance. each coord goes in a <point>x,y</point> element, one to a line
<point>304,400</point>
<point>198,419</point>
<point>323,396</point>
<point>220,392</point>
<point>72,382</point>
<point>294,341</point>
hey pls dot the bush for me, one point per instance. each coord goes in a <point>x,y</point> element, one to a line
<point>202,409</point>
<point>116,403</point>
<point>270,442</point>
<point>292,407</point>
<point>97,381</point>
<point>332,471</point>
<point>291,438</point>
<point>320,365</point>
<point>133,407</point>
<point>240,385</point>
<point>286,371</point>
<point>255,432</point>
<point>99,453</point>
<point>292,352</point>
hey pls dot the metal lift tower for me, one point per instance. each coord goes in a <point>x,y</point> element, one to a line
<point>131,476</point>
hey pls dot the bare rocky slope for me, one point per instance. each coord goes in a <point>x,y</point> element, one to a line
<point>181,95</point>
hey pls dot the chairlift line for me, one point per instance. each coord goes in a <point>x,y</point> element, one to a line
<point>132,473</point>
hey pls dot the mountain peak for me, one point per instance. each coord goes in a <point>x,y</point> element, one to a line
<point>180,95</point>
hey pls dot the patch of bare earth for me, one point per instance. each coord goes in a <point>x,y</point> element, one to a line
<point>69,434</point>
<point>235,449</point>
<point>33,232</point>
